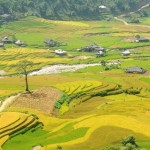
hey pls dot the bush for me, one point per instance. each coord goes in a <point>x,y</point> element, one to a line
<point>131,91</point>
<point>126,144</point>
<point>57,105</point>
<point>129,140</point>
<point>103,93</point>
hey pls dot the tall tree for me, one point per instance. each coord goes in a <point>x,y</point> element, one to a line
<point>24,67</point>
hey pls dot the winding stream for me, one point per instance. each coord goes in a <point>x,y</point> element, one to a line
<point>61,68</point>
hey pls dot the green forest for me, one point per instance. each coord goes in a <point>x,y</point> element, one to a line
<point>66,9</point>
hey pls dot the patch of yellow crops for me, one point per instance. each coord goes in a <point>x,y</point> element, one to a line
<point>96,122</point>
<point>125,97</point>
<point>78,86</point>
<point>8,118</point>
<point>37,56</point>
<point>4,92</point>
<point>50,60</point>
<point>20,51</point>
<point>50,123</point>
<point>64,108</point>
<point>115,120</point>
<point>3,140</point>
<point>70,23</point>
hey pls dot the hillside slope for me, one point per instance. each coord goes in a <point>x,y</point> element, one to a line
<point>68,9</point>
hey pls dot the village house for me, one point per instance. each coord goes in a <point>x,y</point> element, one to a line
<point>100,54</point>
<point>92,48</point>
<point>20,43</point>
<point>60,52</point>
<point>51,43</point>
<point>126,53</point>
<point>135,70</point>
<point>141,39</point>
<point>1,45</point>
<point>102,7</point>
<point>6,40</point>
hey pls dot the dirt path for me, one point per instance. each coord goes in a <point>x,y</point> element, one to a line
<point>126,23</point>
<point>37,147</point>
<point>8,101</point>
<point>119,19</point>
<point>147,5</point>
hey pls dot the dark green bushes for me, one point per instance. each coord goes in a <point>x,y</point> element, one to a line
<point>128,143</point>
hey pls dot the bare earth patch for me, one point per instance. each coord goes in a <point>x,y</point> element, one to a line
<point>83,57</point>
<point>42,99</point>
<point>129,39</point>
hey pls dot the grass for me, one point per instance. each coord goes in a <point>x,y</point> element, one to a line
<point>3,140</point>
<point>97,122</point>
<point>36,30</point>
<point>14,122</point>
<point>64,108</point>
<point>103,136</point>
<point>144,144</point>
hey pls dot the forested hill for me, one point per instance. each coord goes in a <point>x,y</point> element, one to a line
<point>67,9</point>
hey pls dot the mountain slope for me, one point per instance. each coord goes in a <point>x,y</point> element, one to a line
<point>67,9</point>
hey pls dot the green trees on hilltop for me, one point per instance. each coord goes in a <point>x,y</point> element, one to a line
<point>66,9</point>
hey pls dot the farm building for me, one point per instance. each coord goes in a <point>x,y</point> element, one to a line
<point>60,52</point>
<point>6,40</point>
<point>126,53</point>
<point>92,48</point>
<point>20,43</point>
<point>1,44</point>
<point>142,39</point>
<point>135,70</point>
<point>100,53</point>
<point>51,43</point>
<point>102,7</point>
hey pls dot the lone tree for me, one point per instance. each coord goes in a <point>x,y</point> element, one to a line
<point>23,67</point>
<point>103,64</point>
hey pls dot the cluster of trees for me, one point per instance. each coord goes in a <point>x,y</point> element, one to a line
<point>128,143</point>
<point>66,9</point>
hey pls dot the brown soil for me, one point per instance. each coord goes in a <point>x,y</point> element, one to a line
<point>129,39</point>
<point>42,99</point>
<point>83,57</point>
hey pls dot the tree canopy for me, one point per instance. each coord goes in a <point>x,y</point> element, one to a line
<point>67,9</point>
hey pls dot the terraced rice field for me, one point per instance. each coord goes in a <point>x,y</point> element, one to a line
<point>78,86</point>
<point>14,123</point>
<point>96,122</point>
<point>77,132</point>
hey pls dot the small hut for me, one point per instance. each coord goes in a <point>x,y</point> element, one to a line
<point>20,43</point>
<point>93,48</point>
<point>126,53</point>
<point>141,39</point>
<point>60,52</point>
<point>6,40</point>
<point>100,54</point>
<point>102,7</point>
<point>51,43</point>
<point>1,45</point>
<point>135,70</point>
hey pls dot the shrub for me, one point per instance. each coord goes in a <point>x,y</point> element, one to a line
<point>126,144</point>
<point>103,93</point>
<point>129,140</point>
<point>57,105</point>
<point>131,91</point>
